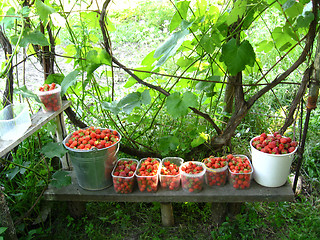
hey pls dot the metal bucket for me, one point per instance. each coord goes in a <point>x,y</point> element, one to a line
<point>93,167</point>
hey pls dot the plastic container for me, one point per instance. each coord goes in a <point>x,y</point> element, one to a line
<point>93,167</point>
<point>148,183</point>
<point>240,180</point>
<point>271,170</point>
<point>51,99</point>
<point>216,177</point>
<point>123,184</point>
<point>14,121</point>
<point>192,183</point>
<point>171,182</point>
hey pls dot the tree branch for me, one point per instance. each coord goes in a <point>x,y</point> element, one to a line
<point>127,70</point>
<point>308,47</point>
<point>302,89</point>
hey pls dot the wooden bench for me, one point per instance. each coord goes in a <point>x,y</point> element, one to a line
<point>38,120</point>
<point>216,195</point>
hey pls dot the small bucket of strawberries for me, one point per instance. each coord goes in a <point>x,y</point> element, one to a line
<point>123,175</point>
<point>240,171</point>
<point>170,173</point>
<point>49,95</point>
<point>192,176</point>
<point>272,156</point>
<point>147,174</point>
<point>216,170</point>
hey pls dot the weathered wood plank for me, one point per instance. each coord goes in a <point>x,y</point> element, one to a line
<point>38,120</point>
<point>209,194</point>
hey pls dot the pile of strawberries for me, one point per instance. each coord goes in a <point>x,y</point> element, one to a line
<point>194,179</point>
<point>147,174</point>
<point>51,101</point>
<point>169,175</point>
<point>240,171</point>
<point>216,174</point>
<point>123,175</point>
<point>274,144</point>
<point>89,138</point>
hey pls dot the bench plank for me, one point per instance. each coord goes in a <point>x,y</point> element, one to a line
<point>227,193</point>
<point>38,120</point>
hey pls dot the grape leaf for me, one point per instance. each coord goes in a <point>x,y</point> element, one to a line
<point>68,81</point>
<point>236,57</point>
<point>23,91</point>
<point>202,138</point>
<point>60,179</point>
<point>180,14</point>
<point>178,105</point>
<point>168,143</point>
<point>53,149</point>
<point>43,11</point>
<point>132,100</point>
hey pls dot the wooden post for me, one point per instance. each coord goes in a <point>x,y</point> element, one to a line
<point>5,218</point>
<point>76,209</point>
<point>219,212</point>
<point>61,134</point>
<point>167,214</point>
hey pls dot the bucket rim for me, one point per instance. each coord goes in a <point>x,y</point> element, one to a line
<point>268,154</point>
<point>90,150</point>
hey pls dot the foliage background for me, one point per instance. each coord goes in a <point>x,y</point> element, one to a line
<point>192,53</point>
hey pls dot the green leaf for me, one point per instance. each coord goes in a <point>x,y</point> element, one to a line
<point>8,20</point>
<point>25,11</point>
<point>202,138</point>
<point>180,14</point>
<point>292,8</point>
<point>36,37</point>
<point>43,11</point>
<point>148,60</point>
<point>237,11</point>
<point>2,229</point>
<point>132,100</point>
<point>307,16</point>
<point>265,46</point>
<point>207,43</point>
<point>23,91</point>
<point>207,87</point>
<point>201,8</point>
<point>53,149</point>
<point>68,81</point>
<point>60,179</point>
<point>190,99</point>
<point>168,143</point>
<point>236,57</point>
<point>95,59</point>
<point>170,47</point>
<point>178,105</point>
<point>145,97</point>
<point>55,78</point>
<point>131,81</point>
<point>282,38</point>
<point>112,107</point>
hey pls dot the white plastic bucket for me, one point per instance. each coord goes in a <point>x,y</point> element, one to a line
<point>271,170</point>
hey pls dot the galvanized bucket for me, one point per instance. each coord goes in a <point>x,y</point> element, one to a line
<point>93,167</point>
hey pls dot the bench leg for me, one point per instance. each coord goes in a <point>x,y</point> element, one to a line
<point>234,209</point>
<point>167,214</point>
<point>6,220</point>
<point>61,133</point>
<point>76,209</point>
<point>219,212</point>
